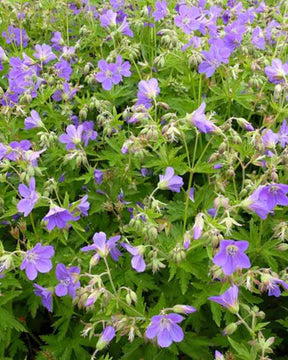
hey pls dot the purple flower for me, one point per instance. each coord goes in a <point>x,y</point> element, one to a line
<point>66,93</point>
<point>270,139</point>
<point>125,28</point>
<point>273,285</point>
<point>103,246</point>
<point>46,296</point>
<point>258,38</point>
<point>88,132</point>
<point>84,206</point>
<point>283,133</point>
<point>63,69</point>
<point>116,4</point>
<point>68,280</point>
<point>18,149</point>
<point>73,136</point>
<point>198,226</point>
<point>188,18</point>
<point>169,181</point>
<point>229,299</point>
<point>57,40</point>
<point>212,212</point>
<point>44,53</point>
<point>33,121</point>
<point>231,256</point>
<point>274,194</point>
<point>30,197</point>
<point>166,329</point>
<point>108,75</point>
<point>15,35</point>
<point>277,71</point>
<point>137,261</point>
<point>218,355</point>
<point>217,55</point>
<point>123,68</point>
<point>106,337</point>
<point>198,119</point>
<point>191,193</point>
<point>217,166</point>
<point>37,259</point>
<point>256,204</point>
<point>148,90</point>
<point>57,217</point>
<point>108,18</point>
<point>98,176</point>
<point>161,10</point>
<point>184,309</point>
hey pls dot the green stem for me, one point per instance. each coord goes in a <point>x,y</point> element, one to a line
<point>246,325</point>
<point>110,277</point>
<point>33,226</point>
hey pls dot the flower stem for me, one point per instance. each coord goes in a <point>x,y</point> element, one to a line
<point>110,277</point>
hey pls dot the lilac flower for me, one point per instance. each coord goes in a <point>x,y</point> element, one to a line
<point>15,35</point>
<point>3,151</point>
<point>106,337</point>
<point>258,38</point>
<point>68,280</point>
<point>274,194</point>
<point>217,166</point>
<point>188,18</point>
<point>116,4</point>
<point>108,75</point>
<point>57,217</point>
<point>123,68</point>
<point>84,206</point>
<point>169,181</point>
<point>198,226</point>
<point>166,329</point>
<point>273,285</point>
<point>103,246</point>
<point>234,34</point>
<point>184,309</point>
<point>218,355</point>
<point>257,204</point>
<point>229,299</point>
<point>46,296</point>
<point>148,90</point>
<point>33,121</point>
<point>57,40</point>
<point>30,197</point>
<point>161,10</point>
<point>270,139</point>
<point>108,18</point>
<point>191,193</point>
<point>198,119</point>
<point>125,28</point>
<point>66,93</point>
<point>98,176</point>
<point>73,136</point>
<point>44,53</point>
<point>18,149</point>
<point>68,52</point>
<point>88,132</point>
<point>283,134</point>
<point>231,256</point>
<point>63,69</point>
<point>217,55</point>
<point>37,260</point>
<point>137,261</point>
<point>277,71</point>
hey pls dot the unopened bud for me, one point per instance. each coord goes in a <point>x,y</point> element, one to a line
<point>230,329</point>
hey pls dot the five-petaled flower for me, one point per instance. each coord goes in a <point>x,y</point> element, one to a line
<point>229,299</point>
<point>169,181</point>
<point>30,197</point>
<point>46,296</point>
<point>68,280</point>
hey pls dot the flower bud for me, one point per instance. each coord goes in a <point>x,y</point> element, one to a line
<point>230,329</point>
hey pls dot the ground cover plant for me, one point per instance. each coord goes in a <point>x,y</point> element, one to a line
<point>143,179</point>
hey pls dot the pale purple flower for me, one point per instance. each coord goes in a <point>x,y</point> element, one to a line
<point>46,296</point>
<point>29,196</point>
<point>57,40</point>
<point>68,280</point>
<point>72,137</point>
<point>44,53</point>
<point>66,93</point>
<point>33,121</point>
<point>184,309</point>
<point>123,68</point>
<point>63,69</point>
<point>274,194</point>
<point>137,261</point>
<point>98,176</point>
<point>277,71</point>
<point>103,246</point>
<point>84,205</point>
<point>108,335</point>
<point>161,10</point>
<point>218,355</point>
<point>198,226</point>
<point>169,181</point>
<point>108,18</point>
<point>15,35</point>
<point>57,217</point>
<point>18,149</point>
<point>37,260</point>
<point>108,75</point>
<point>257,204</point>
<point>88,132</point>
<point>199,119</point>
<point>188,18</point>
<point>229,299</point>
<point>269,138</point>
<point>148,90</point>
<point>191,193</point>
<point>283,134</point>
<point>125,28</point>
<point>217,166</point>
<point>258,38</point>
<point>116,4</point>
<point>166,329</point>
<point>231,256</point>
<point>273,286</point>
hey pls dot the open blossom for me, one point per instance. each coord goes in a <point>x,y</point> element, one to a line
<point>33,121</point>
<point>18,149</point>
<point>46,296</point>
<point>108,18</point>
<point>108,75</point>
<point>161,10</point>
<point>148,90</point>
<point>231,256</point>
<point>188,18</point>
<point>57,217</point>
<point>283,134</point>
<point>270,139</point>
<point>103,247</point>
<point>15,35</point>
<point>277,71</point>
<point>98,176</point>
<point>44,53</point>
<point>88,132</point>
<point>68,280</point>
<point>166,329</point>
<point>30,197</point>
<point>57,40</point>
<point>169,181</point>
<point>63,69</point>
<point>272,284</point>
<point>137,261</point>
<point>66,93</point>
<point>229,299</point>
<point>37,260</point>
<point>199,119</point>
<point>72,137</point>
<point>258,38</point>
